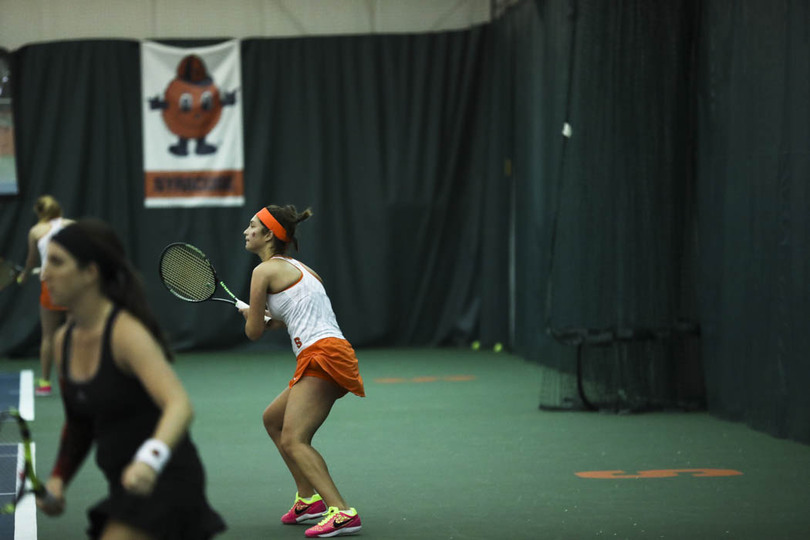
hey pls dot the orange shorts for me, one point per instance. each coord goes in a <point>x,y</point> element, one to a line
<point>45,299</point>
<point>331,359</point>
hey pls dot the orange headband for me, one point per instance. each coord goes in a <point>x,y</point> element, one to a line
<point>271,223</point>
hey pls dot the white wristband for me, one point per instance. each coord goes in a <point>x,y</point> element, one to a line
<point>154,453</point>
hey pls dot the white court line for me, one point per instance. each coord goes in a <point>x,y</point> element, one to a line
<point>26,406</point>
<point>25,515</point>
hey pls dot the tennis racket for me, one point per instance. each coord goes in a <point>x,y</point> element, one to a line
<point>190,276</point>
<point>17,476</point>
<point>9,272</point>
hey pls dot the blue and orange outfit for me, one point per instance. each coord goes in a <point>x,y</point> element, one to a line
<point>114,410</point>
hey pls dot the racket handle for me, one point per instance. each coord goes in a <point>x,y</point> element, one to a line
<point>47,497</point>
<point>49,503</point>
<point>242,305</point>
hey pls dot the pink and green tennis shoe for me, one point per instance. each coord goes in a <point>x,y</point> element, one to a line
<point>336,523</point>
<point>304,510</point>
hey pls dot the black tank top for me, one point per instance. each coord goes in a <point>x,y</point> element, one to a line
<point>117,405</point>
<point>122,416</point>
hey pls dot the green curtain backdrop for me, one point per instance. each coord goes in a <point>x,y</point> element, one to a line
<point>605,220</point>
<point>681,195</point>
<point>385,137</point>
<point>753,206</point>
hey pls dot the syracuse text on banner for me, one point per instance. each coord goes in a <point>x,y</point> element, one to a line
<point>192,125</point>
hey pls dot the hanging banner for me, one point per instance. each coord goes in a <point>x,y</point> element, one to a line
<point>192,125</point>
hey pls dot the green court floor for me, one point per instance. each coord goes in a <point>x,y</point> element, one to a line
<point>450,444</point>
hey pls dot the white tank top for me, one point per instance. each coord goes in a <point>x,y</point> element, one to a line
<point>305,308</point>
<point>42,244</point>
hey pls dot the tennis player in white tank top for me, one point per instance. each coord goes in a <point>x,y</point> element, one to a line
<point>293,295</point>
<point>49,222</point>
<point>305,309</point>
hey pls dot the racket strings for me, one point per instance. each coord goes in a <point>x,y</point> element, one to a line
<point>12,462</point>
<point>187,274</point>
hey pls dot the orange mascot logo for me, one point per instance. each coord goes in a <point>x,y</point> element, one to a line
<point>191,106</point>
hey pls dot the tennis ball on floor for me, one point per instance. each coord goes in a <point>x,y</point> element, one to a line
<point>498,347</point>
<point>475,345</point>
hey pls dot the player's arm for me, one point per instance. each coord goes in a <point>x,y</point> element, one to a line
<point>259,285</point>
<point>136,351</point>
<point>74,444</point>
<point>32,258</point>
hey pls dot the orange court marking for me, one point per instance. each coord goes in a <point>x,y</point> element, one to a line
<point>460,378</point>
<point>425,379</point>
<point>658,473</point>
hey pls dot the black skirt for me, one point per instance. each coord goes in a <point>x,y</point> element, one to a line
<point>176,510</point>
